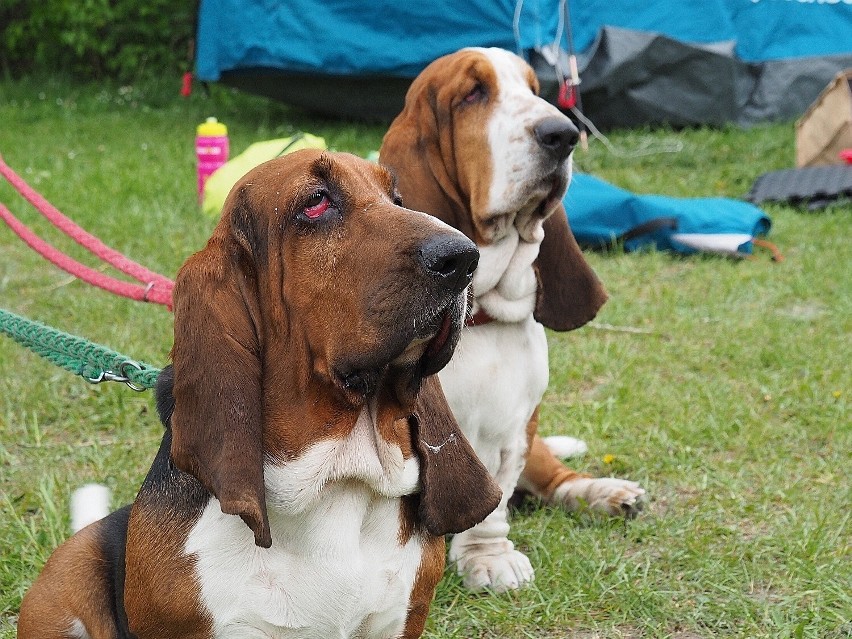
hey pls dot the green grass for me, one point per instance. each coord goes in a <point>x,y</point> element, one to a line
<point>730,404</point>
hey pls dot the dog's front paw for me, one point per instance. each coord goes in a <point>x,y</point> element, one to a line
<point>603,494</point>
<point>508,570</point>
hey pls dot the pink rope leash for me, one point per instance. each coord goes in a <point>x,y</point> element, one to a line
<point>158,288</point>
<point>150,293</point>
<point>78,234</point>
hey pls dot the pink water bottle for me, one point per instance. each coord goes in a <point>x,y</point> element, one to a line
<point>211,150</point>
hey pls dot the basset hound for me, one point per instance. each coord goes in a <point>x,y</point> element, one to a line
<point>476,146</point>
<point>310,466</point>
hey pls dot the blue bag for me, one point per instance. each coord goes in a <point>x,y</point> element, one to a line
<point>602,215</point>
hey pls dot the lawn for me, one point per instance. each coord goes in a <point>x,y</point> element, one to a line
<point>722,386</point>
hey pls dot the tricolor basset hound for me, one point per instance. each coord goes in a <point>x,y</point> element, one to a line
<point>310,466</point>
<point>476,146</point>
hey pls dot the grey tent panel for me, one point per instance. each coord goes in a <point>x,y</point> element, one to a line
<point>636,77</point>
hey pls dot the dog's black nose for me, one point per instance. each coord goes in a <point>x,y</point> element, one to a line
<point>449,259</point>
<point>557,135</point>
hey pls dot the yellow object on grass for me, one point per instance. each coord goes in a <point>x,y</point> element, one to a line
<point>223,179</point>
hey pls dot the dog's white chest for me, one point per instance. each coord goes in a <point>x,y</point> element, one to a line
<point>336,568</point>
<point>339,572</point>
<point>495,380</point>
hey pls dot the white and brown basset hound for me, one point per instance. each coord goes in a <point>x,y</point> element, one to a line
<point>310,466</point>
<point>476,146</point>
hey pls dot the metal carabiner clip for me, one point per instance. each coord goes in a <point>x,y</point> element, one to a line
<point>121,376</point>
<point>123,370</point>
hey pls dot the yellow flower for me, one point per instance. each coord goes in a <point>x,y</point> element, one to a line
<point>608,458</point>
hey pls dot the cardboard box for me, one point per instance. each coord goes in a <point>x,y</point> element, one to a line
<point>826,127</point>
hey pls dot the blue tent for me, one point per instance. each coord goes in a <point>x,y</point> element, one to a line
<point>655,61</point>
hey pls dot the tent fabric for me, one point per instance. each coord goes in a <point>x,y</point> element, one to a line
<point>761,29</point>
<point>400,38</point>
<point>680,63</point>
<point>781,29</point>
<point>351,58</point>
<point>638,77</point>
<point>703,22</point>
<point>353,37</point>
<point>603,215</point>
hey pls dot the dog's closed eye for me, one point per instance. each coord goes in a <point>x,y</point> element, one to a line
<point>476,94</point>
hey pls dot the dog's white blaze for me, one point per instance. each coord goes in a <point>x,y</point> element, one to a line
<point>336,567</point>
<point>512,142</point>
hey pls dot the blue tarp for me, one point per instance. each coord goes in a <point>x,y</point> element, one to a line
<point>603,215</point>
<point>400,38</point>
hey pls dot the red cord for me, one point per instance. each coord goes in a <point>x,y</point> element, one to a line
<point>79,235</point>
<point>154,292</point>
<point>157,288</point>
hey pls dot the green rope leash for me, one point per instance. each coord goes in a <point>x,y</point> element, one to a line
<point>93,362</point>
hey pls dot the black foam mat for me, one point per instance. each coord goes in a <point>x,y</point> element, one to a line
<point>814,187</point>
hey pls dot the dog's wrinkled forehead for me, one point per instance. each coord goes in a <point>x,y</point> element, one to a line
<point>279,185</point>
<point>355,176</point>
<point>515,73</point>
<point>515,79</point>
<point>513,76</point>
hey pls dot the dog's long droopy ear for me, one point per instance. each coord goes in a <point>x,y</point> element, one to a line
<point>569,292</point>
<point>457,490</point>
<point>217,422</point>
<point>411,147</point>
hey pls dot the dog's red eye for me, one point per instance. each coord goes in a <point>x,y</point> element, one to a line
<point>316,205</point>
<point>475,94</point>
